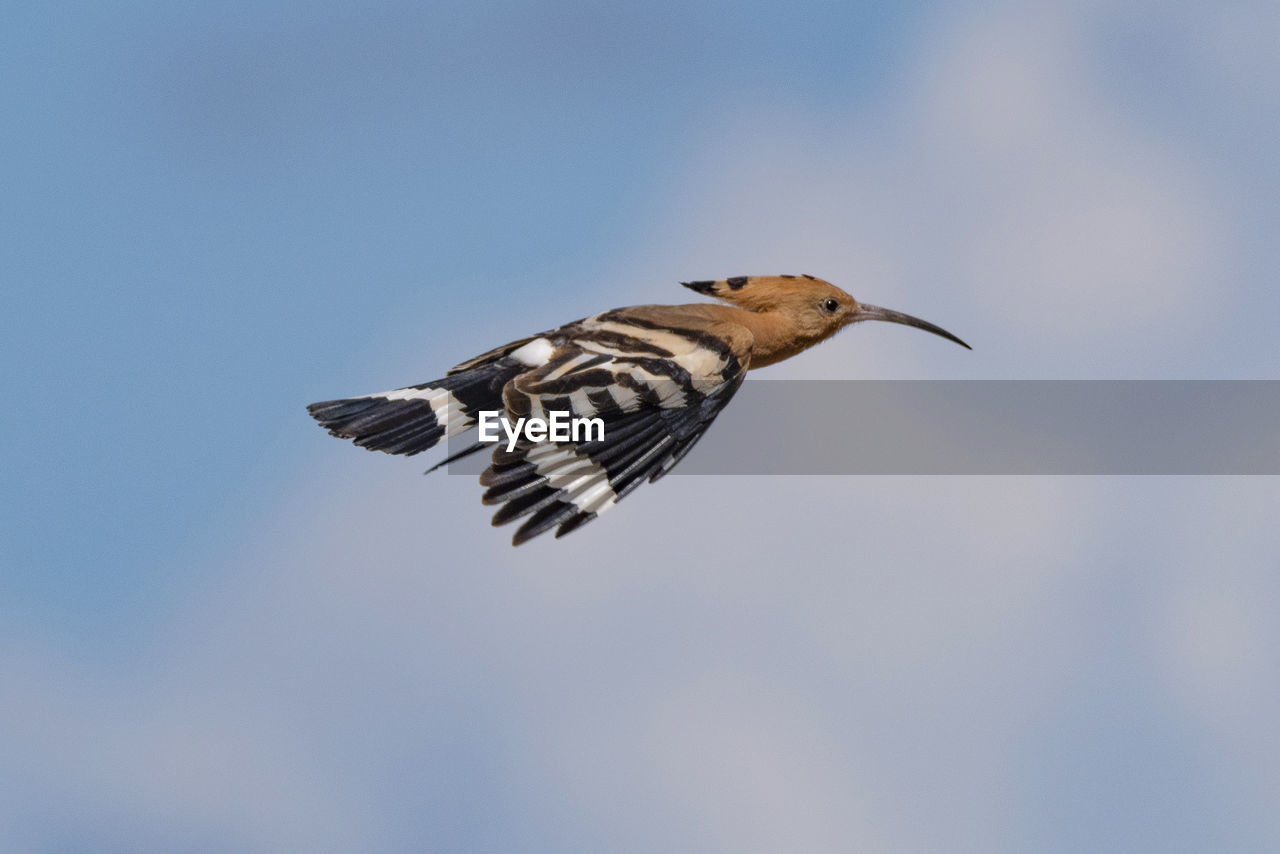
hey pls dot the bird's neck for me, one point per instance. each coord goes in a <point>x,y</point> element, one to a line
<point>776,335</point>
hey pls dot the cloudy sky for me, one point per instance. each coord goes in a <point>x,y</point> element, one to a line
<point>224,630</point>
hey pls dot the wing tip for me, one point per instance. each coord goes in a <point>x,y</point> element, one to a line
<point>379,423</point>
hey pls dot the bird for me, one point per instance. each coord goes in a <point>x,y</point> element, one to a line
<point>654,376</point>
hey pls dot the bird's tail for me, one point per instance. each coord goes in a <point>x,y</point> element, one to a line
<point>414,419</point>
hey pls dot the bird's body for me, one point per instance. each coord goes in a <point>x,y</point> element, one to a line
<point>655,375</point>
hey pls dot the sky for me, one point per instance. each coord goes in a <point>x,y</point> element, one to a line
<point>224,630</point>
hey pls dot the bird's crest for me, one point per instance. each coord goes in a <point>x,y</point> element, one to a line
<point>761,293</point>
<point>730,287</point>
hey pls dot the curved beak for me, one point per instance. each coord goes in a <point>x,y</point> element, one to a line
<point>875,312</point>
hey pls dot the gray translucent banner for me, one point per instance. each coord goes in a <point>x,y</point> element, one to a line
<point>1090,427</point>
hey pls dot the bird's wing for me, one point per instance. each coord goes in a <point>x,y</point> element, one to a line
<point>655,384</point>
<point>415,418</point>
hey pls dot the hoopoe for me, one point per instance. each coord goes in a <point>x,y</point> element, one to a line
<point>655,375</point>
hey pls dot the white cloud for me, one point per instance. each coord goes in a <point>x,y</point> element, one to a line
<point>1004,195</point>
<point>1214,635</point>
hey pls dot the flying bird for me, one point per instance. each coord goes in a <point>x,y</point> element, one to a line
<point>655,376</point>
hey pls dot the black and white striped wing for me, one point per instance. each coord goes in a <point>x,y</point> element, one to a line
<point>413,419</point>
<point>655,390</point>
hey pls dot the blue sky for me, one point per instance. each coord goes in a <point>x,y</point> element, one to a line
<point>225,630</point>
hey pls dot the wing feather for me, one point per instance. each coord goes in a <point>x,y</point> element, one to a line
<point>656,394</point>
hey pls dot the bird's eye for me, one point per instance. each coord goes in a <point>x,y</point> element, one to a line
<point>830,305</point>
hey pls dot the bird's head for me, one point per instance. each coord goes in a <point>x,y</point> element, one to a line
<point>817,308</point>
